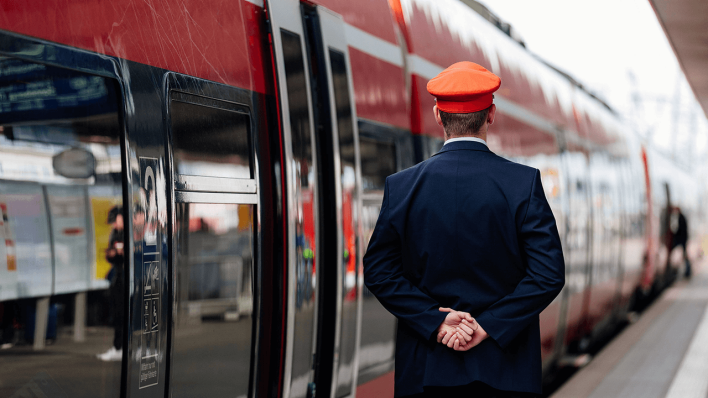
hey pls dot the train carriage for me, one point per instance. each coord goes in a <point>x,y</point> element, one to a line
<point>245,144</point>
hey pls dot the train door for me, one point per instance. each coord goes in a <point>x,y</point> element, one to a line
<point>553,173</point>
<point>606,267</point>
<point>214,241</point>
<point>304,265</point>
<point>321,145</point>
<point>632,234</point>
<point>617,214</point>
<point>578,243</point>
<point>330,46</point>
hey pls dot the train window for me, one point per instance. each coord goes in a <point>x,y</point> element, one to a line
<point>61,232</point>
<point>209,137</point>
<point>297,105</point>
<point>214,300</point>
<point>378,161</point>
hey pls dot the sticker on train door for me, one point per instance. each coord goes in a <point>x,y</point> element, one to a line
<point>149,350</point>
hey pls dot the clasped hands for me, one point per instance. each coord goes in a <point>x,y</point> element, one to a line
<point>460,331</point>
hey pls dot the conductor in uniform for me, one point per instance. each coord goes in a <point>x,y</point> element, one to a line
<point>466,254</point>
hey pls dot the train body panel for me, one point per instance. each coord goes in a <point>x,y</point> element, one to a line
<point>222,43</point>
<point>247,143</point>
<point>380,89</point>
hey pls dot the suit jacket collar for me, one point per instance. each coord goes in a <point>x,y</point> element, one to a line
<point>463,145</point>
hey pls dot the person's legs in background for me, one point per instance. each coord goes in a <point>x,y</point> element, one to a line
<point>687,274</point>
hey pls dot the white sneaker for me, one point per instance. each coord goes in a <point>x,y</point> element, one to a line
<point>111,355</point>
<point>6,346</point>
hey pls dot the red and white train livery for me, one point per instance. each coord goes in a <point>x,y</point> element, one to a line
<point>244,145</point>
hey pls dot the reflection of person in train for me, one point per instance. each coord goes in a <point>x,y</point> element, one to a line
<point>679,228</point>
<point>115,256</point>
<point>303,266</point>
<point>8,312</point>
<point>349,246</point>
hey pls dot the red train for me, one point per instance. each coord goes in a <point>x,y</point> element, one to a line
<point>245,144</point>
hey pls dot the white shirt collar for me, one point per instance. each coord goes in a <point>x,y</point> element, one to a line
<point>475,139</point>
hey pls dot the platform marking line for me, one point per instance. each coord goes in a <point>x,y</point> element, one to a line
<point>690,380</point>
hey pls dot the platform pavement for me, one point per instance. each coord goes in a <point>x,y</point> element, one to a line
<point>663,354</point>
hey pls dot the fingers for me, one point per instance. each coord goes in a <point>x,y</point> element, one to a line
<point>465,327</point>
<point>472,324</point>
<point>452,341</point>
<point>445,309</point>
<point>463,335</point>
<point>456,341</point>
<point>447,338</point>
<point>465,347</point>
<point>440,336</point>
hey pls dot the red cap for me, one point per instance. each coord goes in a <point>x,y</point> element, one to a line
<point>464,87</point>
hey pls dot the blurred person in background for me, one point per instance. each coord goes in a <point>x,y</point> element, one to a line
<point>679,228</point>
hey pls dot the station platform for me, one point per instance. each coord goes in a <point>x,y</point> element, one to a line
<point>664,354</point>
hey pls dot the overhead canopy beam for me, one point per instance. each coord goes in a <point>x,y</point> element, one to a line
<point>685,22</point>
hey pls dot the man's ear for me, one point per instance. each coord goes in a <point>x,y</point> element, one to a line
<point>436,112</point>
<point>491,114</point>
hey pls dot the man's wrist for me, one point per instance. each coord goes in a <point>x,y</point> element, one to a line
<point>481,331</point>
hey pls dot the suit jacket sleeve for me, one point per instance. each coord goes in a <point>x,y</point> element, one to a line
<point>383,275</point>
<point>545,272</point>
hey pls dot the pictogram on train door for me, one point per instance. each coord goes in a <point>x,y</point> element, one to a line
<point>323,198</point>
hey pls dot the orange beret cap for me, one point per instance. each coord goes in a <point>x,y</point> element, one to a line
<point>464,87</point>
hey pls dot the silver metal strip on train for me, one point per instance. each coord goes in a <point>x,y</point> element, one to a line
<point>215,184</point>
<point>210,197</point>
<point>372,45</point>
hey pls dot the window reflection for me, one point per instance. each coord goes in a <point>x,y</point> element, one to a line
<point>213,325</point>
<point>210,137</point>
<point>378,161</point>
<point>378,326</point>
<point>350,257</point>
<point>302,183</point>
<point>61,242</point>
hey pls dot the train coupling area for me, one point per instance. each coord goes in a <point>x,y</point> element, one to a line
<point>664,354</point>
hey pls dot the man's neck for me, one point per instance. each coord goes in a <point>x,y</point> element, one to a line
<point>466,138</point>
<point>481,134</point>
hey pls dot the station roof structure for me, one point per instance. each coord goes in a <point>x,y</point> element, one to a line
<point>684,22</point>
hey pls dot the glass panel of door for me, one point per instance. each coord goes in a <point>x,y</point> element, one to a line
<point>214,300</point>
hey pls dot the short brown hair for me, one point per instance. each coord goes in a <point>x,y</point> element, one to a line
<point>460,124</point>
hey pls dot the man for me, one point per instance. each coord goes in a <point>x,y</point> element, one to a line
<point>679,227</point>
<point>472,232</point>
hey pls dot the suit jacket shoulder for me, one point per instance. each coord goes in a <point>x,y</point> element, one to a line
<point>470,166</point>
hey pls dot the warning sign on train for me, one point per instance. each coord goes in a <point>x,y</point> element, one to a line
<point>150,275</point>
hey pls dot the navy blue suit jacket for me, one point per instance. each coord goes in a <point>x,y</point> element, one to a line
<point>469,230</point>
